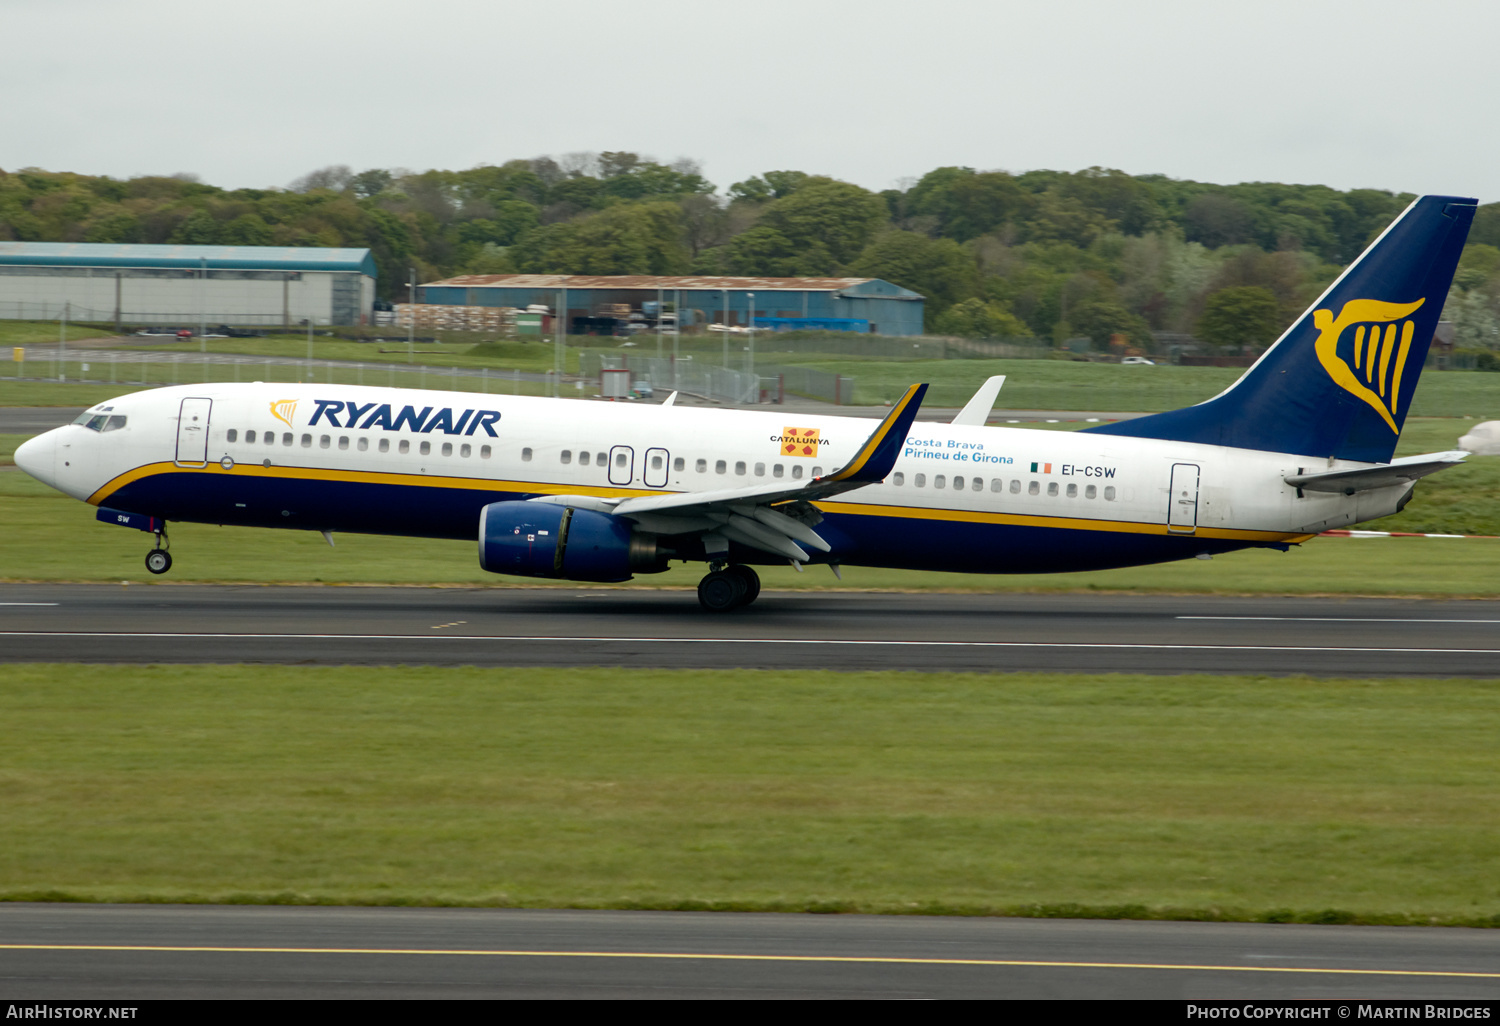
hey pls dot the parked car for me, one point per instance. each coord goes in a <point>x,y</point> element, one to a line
<point>1139,360</point>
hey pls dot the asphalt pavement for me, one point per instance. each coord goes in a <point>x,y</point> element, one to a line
<point>507,626</point>
<point>144,952</point>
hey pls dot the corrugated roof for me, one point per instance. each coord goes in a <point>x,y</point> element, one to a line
<point>261,258</point>
<point>647,281</point>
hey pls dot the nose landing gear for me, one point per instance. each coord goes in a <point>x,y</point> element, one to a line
<point>159,560</point>
<point>728,587</point>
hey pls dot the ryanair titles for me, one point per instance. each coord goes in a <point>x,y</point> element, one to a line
<point>382,415</point>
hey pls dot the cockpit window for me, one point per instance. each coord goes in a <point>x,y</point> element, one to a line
<point>100,421</point>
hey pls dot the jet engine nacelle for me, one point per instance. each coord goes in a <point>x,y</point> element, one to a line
<point>542,539</point>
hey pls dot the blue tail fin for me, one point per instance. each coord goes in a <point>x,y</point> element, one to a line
<point>1339,382</point>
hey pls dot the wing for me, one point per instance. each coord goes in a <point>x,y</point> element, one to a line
<point>746,515</point>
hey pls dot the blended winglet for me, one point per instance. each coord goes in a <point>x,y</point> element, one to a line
<point>878,455</point>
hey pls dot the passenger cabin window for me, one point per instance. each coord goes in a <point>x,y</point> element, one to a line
<point>958,483</point>
<point>447,448</point>
<point>1109,493</point>
<point>796,472</point>
<point>679,463</point>
<point>1090,492</point>
<point>1051,487</point>
<point>739,468</point>
<point>701,466</point>
<point>249,437</point>
<point>404,446</point>
<point>898,479</point>
<point>525,455</point>
<point>583,459</point>
<point>777,470</point>
<point>307,441</point>
<point>466,450</point>
<point>323,442</point>
<point>364,443</point>
<point>919,481</point>
<point>566,456</point>
<point>425,449</point>
<point>720,467</point>
<point>940,481</point>
<point>484,452</point>
<point>1072,491</point>
<point>978,485</point>
<point>601,459</point>
<point>996,485</point>
<point>1034,488</point>
<point>817,472</point>
<point>620,459</point>
<point>286,438</point>
<point>231,435</point>
<point>385,445</point>
<point>760,470</point>
<point>343,441</point>
<point>1015,487</point>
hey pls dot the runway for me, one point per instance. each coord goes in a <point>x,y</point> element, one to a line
<point>144,952</point>
<point>783,630</point>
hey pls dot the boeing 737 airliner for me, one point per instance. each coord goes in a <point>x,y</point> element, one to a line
<point>584,491</point>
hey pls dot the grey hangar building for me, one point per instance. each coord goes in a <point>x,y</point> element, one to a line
<point>128,284</point>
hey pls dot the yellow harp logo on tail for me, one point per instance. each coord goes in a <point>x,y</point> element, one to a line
<point>284,410</point>
<point>1373,364</point>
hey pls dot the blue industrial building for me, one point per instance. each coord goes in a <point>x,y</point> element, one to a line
<point>864,304</point>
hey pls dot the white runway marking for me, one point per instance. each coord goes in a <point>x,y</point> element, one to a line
<point>753,641</point>
<point>29,603</point>
<point>1336,619</point>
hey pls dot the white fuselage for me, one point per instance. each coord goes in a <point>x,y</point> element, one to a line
<point>987,499</point>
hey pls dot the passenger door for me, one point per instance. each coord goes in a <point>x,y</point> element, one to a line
<point>192,432</point>
<point>1182,509</point>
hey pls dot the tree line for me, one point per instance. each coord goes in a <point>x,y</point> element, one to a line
<point>1044,254</point>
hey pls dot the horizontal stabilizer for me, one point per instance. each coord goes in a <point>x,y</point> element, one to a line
<point>977,410</point>
<point>1403,471</point>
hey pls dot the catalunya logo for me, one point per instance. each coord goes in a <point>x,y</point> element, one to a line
<point>284,410</point>
<point>1369,361</point>
<point>799,441</point>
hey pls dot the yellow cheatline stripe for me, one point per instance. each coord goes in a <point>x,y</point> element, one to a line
<point>873,442</point>
<point>1064,523</point>
<point>853,508</point>
<point>715,957</point>
<point>363,477</point>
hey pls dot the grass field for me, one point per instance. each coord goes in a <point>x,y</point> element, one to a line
<point>1058,385</point>
<point>1182,797</point>
<point>1031,384</point>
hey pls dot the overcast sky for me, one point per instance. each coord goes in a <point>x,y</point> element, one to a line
<point>1361,93</point>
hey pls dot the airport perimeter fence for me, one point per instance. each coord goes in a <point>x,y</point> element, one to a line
<point>696,377</point>
<point>154,369</point>
<point>35,310</point>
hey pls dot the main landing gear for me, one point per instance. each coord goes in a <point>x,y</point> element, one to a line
<point>728,587</point>
<point>159,560</point>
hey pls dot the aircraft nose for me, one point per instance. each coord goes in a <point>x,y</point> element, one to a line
<point>38,457</point>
